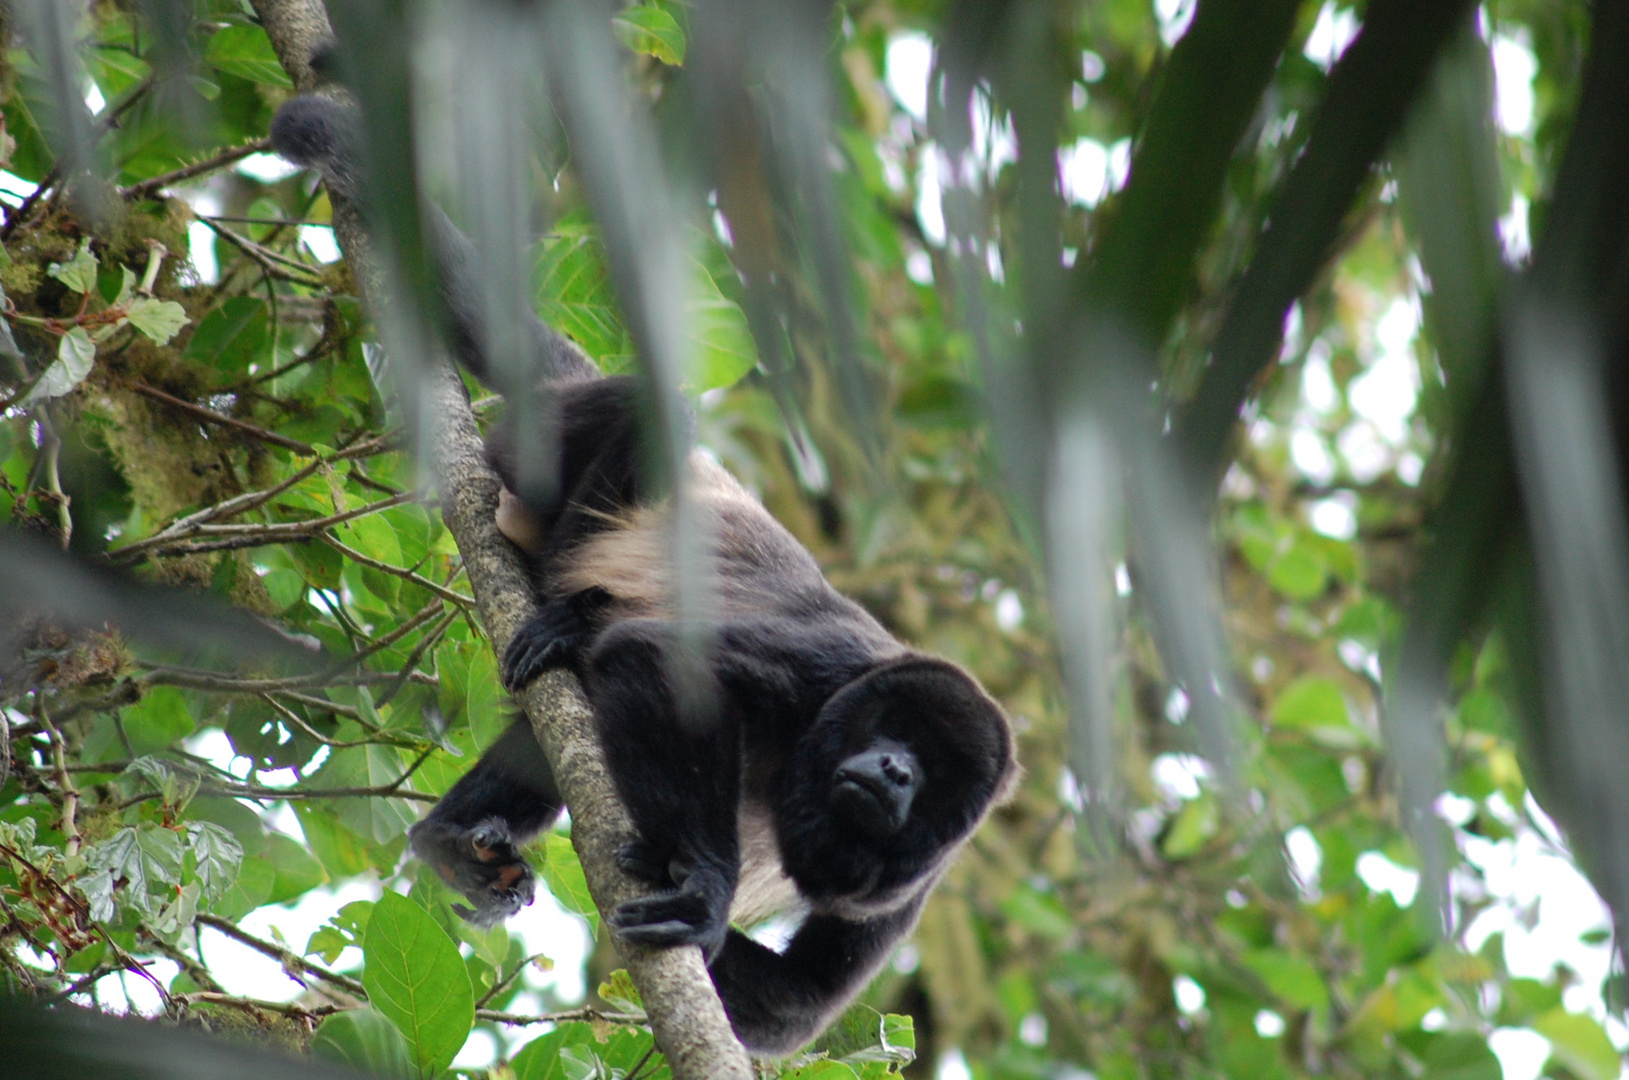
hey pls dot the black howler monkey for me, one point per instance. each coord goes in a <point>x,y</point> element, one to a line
<point>841,769</point>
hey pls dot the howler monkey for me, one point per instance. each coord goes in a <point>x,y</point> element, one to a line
<point>838,768</point>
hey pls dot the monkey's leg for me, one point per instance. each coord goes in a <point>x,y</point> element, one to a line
<point>682,789</point>
<point>472,836</point>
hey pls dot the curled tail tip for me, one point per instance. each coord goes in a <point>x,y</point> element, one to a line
<point>314,131</point>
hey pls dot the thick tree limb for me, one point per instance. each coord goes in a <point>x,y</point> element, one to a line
<point>684,1009</point>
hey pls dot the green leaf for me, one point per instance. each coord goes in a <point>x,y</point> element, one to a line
<point>862,1035</point>
<point>652,31</point>
<point>76,352</point>
<point>1294,979</point>
<point>1310,703</point>
<point>246,51</point>
<point>1580,1044</point>
<point>564,876</point>
<point>574,295</point>
<point>156,721</point>
<point>344,928</point>
<point>250,889</point>
<point>620,991</point>
<point>723,347</point>
<point>1462,1056</point>
<point>548,1057</point>
<point>1192,827</point>
<point>233,336</point>
<point>158,319</point>
<point>366,1041</point>
<point>415,977</point>
<point>217,856</point>
<point>149,858</point>
<point>372,766</point>
<point>79,272</point>
<point>297,870</point>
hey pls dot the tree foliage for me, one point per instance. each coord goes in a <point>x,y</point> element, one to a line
<point>1186,377</point>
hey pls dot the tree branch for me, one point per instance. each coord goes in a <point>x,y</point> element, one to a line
<point>685,1013</point>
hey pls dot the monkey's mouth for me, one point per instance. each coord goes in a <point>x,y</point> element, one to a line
<point>872,806</point>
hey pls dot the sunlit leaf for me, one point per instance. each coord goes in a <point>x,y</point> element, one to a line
<point>245,51</point>
<point>416,978</point>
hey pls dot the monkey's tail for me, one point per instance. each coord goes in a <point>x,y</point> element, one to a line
<point>323,133</point>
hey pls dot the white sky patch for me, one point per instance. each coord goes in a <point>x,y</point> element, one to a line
<point>1385,393</point>
<point>1331,34</point>
<point>1189,995</point>
<point>909,61</point>
<point>1306,859</point>
<point>1515,237</point>
<point>14,189</point>
<point>319,240</point>
<point>1009,610</point>
<point>1514,66</point>
<point>930,209</point>
<point>1088,171</point>
<point>1521,1053</point>
<point>1032,1030</point>
<point>1174,18</point>
<point>200,237</point>
<point>1335,516</point>
<point>1269,1025</point>
<point>919,266</point>
<point>94,101</point>
<point>266,168</point>
<point>1178,775</point>
<point>1543,905</point>
<point>1311,457</point>
<point>953,1066</point>
<point>1380,874</point>
<point>1318,388</point>
<point>995,143</point>
<point>1092,67</point>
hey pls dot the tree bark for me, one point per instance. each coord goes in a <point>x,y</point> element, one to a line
<point>679,998</point>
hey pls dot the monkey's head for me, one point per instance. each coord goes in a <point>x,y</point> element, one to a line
<point>899,767</point>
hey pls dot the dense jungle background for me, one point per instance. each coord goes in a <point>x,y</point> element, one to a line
<point>1236,388</point>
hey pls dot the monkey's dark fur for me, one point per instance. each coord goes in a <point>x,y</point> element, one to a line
<point>840,768</point>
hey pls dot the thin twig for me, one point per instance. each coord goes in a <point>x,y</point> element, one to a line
<point>70,794</point>
<point>162,675</point>
<point>256,535</point>
<point>519,1020</point>
<point>210,416</point>
<point>290,960</point>
<point>268,260</point>
<point>400,571</point>
<point>242,504</point>
<point>284,1008</point>
<point>187,172</point>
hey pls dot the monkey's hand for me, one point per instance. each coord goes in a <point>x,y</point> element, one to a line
<point>481,862</point>
<point>697,912</point>
<point>559,634</point>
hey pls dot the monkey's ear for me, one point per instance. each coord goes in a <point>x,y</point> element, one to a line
<point>935,707</point>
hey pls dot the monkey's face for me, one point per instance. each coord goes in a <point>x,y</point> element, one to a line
<point>873,790</point>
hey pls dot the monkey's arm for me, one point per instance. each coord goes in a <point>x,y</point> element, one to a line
<point>472,836</point>
<point>777,1002</point>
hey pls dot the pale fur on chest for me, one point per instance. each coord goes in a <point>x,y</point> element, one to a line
<point>621,560</point>
<point>763,888</point>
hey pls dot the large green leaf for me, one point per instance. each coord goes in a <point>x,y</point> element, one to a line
<point>366,1041</point>
<point>246,51</point>
<point>416,978</point>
